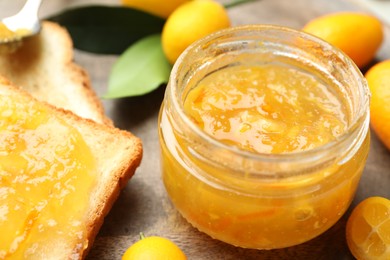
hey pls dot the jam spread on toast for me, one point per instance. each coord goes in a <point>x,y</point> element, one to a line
<point>47,172</point>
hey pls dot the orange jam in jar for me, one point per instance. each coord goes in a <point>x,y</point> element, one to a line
<point>47,172</point>
<point>264,135</point>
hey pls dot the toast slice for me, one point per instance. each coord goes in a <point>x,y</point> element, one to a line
<point>44,67</point>
<point>115,154</point>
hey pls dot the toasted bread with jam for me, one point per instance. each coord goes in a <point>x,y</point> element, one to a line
<point>59,176</point>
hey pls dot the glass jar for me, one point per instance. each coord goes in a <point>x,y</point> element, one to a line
<point>252,199</point>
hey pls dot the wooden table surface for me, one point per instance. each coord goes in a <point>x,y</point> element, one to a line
<point>144,206</point>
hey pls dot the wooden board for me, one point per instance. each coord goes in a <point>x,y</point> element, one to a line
<point>144,206</point>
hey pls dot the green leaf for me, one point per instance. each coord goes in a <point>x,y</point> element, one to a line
<point>233,3</point>
<point>107,29</point>
<point>139,70</point>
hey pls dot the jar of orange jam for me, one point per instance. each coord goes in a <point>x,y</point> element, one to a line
<point>264,134</point>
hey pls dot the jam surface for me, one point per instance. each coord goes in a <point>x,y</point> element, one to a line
<point>46,175</point>
<point>267,109</point>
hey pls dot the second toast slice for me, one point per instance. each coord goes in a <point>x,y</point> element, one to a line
<point>44,67</point>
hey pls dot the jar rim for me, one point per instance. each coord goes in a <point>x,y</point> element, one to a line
<point>359,125</point>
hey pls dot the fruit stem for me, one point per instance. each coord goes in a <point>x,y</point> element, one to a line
<point>237,2</point>
<point>141,236</point>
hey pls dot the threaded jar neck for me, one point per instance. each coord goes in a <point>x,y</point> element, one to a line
<point>251,45</point>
